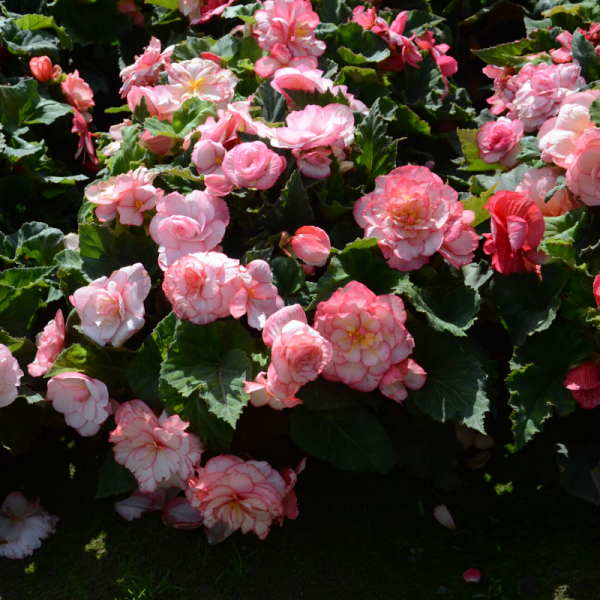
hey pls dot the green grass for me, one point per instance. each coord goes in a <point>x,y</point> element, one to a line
<point>359,536</point>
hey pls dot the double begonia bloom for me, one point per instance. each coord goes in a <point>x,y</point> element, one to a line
<point>112,309</point>
<point>584,383</point>
<point>187,224</point>
<point>42,69</point>
<point>140,503</point>
<point>413,214</point>
<point>159,100</point>
<point>537,183</point>
<point>203,79</point>
<point>23,526</point>
<point>262,395</point>
<point>298,352</point>
<point>78,93</point>
<point>208,156</point>
<point>558,136</point>
<point>541,89</point>
<point>84,401</point>
<point>49,344</point>
<point>156,450</point>
<point>10,377</point>
<point>505,87</point>
<point>407,374</point>
<point>201,286</point>
<point>253,165</point>
<point>498,141</point>
<point>313,134</point>
<point>311,245</point>
<point>290,23</point>
<point>257,296</point>
<point>583,175</point>
<point>517,230</point>
<point>129,195</point>
<point>367,334</point>
<point>280,57</point>
<point>241,495</point>
<point>147,67</point>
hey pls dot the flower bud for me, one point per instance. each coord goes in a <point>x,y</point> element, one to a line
<point>311,245</point>
<point>41,68</point>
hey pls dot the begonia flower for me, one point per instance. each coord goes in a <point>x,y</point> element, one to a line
<point>505,87</point>
<point>160,101</point>
<point>262,395</point>
<point>583,174</point>
<point>112,309</point>
<point>43,70</point>
<point>71,242</point>
<point>147,67</point>
<point>78,93</point>
<point>407,374</point>
<point>49,344</point>
<point>180,514</point>
<point>472,575</point>
<point>116,133</point>
<point>498,141</point>
<point>208,156</point>
<point>311,245</point>
<point>158,144</point>
<point>562,55</point>
<point>584,383</point>
<point>253,165</point>
<point>85,146</point>
<point>201,11</point>
<point>279,58</point>
<point>537,183</point>
<point>364,16</point>
<point>10,377</point>
<point>140,503</point>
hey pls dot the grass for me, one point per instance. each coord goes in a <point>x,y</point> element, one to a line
<point>359,536</point>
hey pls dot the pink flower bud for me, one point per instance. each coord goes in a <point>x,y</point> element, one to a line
<point>41,68</point>
<point>312,245</point>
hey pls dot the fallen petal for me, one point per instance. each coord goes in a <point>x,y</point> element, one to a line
<point>443,517</point>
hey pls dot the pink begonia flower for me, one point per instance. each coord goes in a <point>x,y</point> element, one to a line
<point>290,23</point>
<point>298,352</point>
<point>472,575</point>
<point>139,503</point>
<point>112,309</point>
<point>49,344</point>
<point>187,224</point>
<point>505,87</point>
<point>367,333</point>
<point>261,394</point>
<point>407,374</point>
<point>597,290</point>
<point>78,93</point>
<point>42,69</point>
<point>583,174</point>
<point>129,194</point>
<point>311,245</point>
<point>116,133</point>
<point>10,377</point>
<point>448,65</point>
<point>558,136</point>
<point>584,383</point>
<point>202,79</point>
<point>313,134</point>
<point>241,495</point>
<point>257,297</point>
<point>147,67</point>
<point>290,501</point>
<point>158,144</point>
<point>179,514</point>
<point>517,230</point>
<point>156,450</point>
<point>402,48</point>
<point>23,526</point>
<point>128,7</point>
<point>541,89</point>
<point>280,57</point>
<point>85,146</point>
<point>208,156</point>
<point>498,141</point>
<point>443,517</point>
<point>160,101</point>
<point>562,55</point>
<point>84,401</point>
<point>365,17</point>
<point>199,11</point>
<point>201,286</point>
<point>537,183</point>
<point>413,214</point>
<point>253,165</point>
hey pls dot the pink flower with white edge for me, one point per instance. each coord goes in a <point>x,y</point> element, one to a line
<point>160,101</point>
<point>280,57</point>
<point>139,503</point>
<point>262,395</point>
<point>180,514</point>
<point>78,93</point>
<point>290,23</point>
<point>407,374</point>
<point>23,526</point>
<point>537,183</point>
<point>298,352</point>
<point>208,156</point>
<point>156,450</point>
<point>541,89</point>
<point>201,286</point>
<point>313,134</point>
<point>253,165</point>
<point>583,174</point>
<point>187,224</point>
<point>203,79</point>
<point>505,87</point>
<point>112,309</point>
<point>413,214</point>
<point>241,495</point>
<point>257,296</point>
<point>583,382</point>
<point>84,401</point>
<point>498,141</point>
<point>10,377</point>
<point>49,344</point>
<point>311,245</point>
<point>472,575</point>
<point>562,55</point>
<point>367,333</point>
<point>147,67</point>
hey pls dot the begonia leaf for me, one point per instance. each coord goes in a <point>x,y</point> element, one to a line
<point>18,308</point>
<point>561,233</point>
<point>354,45</point>
<point>595,111</point>
<point>292,209</point>
<point>585,54</point>
<point>113,478</point>
<point>333,11</point>
<point>289,278</point>
<point>334,201</point>
<point>302,99</point>
<point>423,86</point>
<point>272,103</point>
<point>37,21</point>
<point>477,205</point>
<point>418,21</point>
<point>578,466</point>
<point>130,152</point>
<point>468,142</point>
<point>193,112</point>
<point>192,48</point>
<point>500,55</point>
<point>322,394</point>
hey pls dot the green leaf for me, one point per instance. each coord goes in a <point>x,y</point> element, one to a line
<point>130,152</point>
<point>192,48</point>
<point>366,84</point>
<point>595,111</point>
<point>585,54</point>
<point>245,12</point>
<point>455,385</point>
<point>407,121</point>
<point>477,204</point>
<point>23,278</point>
<point>193,112</point>
<point>302,99</point>
<point>292,209</point>
<point>350,439</point>
<point>531,151</point>
<point>18,308</point>
<point>422,87</point>
<point>273,104</point>
<point>322,394</point>
<point>113,478</point>
<point>577,469</point>
<point>502,54</point>
<point>356,45</point>
<point>210,363</point>
<point>170,4</point>
<point>333,11</point>
<point>157,127</point>
<point>561,233</point>
<point>143,371</point>
<point>333,197</point>
<point>288,277</point>
<point>468,142</point>
<point>34,22</point>
<point>40,244</point>
<point>418,21</point>
<point>20,425</point>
